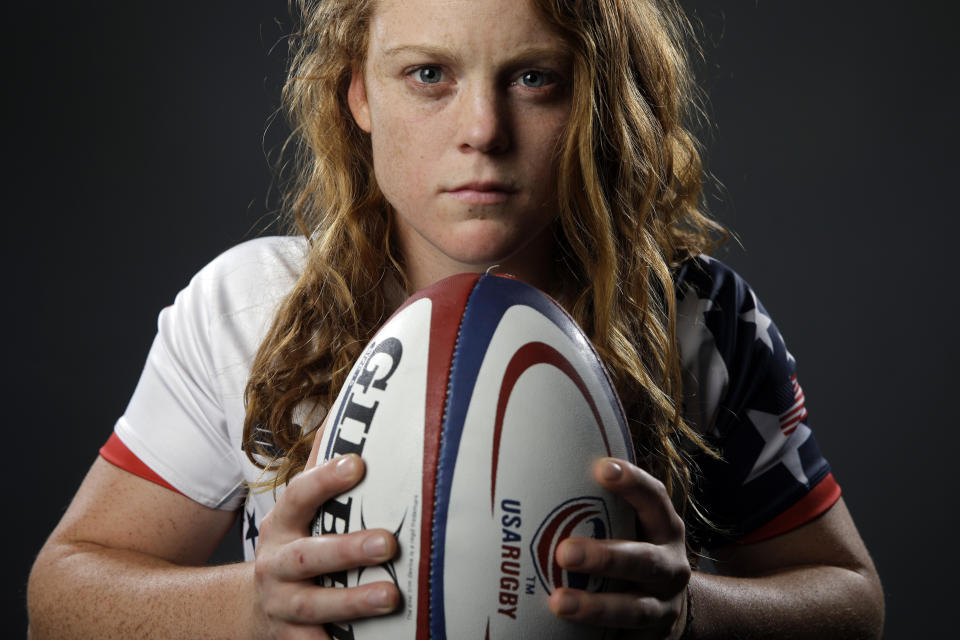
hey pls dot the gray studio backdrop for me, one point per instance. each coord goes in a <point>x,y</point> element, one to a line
<point>138,152</point>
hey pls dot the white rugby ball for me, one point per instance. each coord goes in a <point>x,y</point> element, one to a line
<point>479,408</point>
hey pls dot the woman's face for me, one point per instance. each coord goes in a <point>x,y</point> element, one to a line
<point>465,102</point>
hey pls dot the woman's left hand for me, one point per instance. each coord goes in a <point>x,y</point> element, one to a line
<point>655,570</point>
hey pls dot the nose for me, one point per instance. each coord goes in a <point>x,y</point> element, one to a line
<point>484,121</point>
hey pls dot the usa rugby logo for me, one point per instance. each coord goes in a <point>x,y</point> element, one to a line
<point>584,517</point>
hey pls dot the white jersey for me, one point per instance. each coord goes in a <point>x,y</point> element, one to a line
<point>183,428</point>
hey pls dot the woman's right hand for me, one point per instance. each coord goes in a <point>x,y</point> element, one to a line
<point>290,603</point>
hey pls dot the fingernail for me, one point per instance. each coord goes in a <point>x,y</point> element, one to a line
<point>611,471</point>
<point>573,555</point>
<point>346,466</point>
<point>379,597</point>
<point>568,605</point>
<point>375,546</point>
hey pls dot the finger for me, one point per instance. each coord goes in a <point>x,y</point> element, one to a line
<point>618,610</point>
<point>647,495</point>
<point>300,603</point>
<point>661,571</point>
<point>297,506</point>
<point>306,558</point>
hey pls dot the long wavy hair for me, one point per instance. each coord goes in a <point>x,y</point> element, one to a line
<point>629,186</point>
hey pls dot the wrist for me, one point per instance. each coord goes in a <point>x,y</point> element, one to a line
<point>257,626</point>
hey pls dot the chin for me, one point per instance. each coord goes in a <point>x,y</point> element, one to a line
<point>490,242</point>
<point>479,257</point>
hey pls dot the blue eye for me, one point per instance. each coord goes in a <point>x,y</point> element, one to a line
<point>429,75</point>
<point>534,79</point>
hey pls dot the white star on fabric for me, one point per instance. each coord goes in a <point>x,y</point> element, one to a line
<point>703,366</point>
<point>695,307</point>
<point>760,320</point>
<point>778,448</point>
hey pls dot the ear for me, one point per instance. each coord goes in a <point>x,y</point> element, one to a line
<point>357,99</point>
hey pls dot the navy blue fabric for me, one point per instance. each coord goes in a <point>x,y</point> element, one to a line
<point>770,457</point>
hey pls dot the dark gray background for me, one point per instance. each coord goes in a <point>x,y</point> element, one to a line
<point>136,153</point>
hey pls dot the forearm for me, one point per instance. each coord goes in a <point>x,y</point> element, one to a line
<point>800,602</point>
<point>88,591</point>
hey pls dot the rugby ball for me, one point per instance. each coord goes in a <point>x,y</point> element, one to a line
<point>479,408</point>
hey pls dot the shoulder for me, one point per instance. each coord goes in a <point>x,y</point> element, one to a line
<point>249,278</point>
<point>253,269</point>
<point>715,304</point>
<point>270,252</point>
<point>221,316</point>
<point>711,279</point>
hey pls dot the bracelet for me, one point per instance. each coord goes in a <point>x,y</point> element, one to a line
<point>688,624</point>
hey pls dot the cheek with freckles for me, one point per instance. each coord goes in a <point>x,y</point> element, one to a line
<point>402,161</point>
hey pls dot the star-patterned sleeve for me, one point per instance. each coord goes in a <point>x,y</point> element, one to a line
<point>742,393</point>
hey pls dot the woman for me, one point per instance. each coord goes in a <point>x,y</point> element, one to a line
<point>438,137</point>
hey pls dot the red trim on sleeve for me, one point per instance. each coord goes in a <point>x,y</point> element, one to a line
<point>821,497</point>
<point>117,454</point>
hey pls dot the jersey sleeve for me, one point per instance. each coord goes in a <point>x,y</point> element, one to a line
<point>182,426</point>
<point>742,393</point>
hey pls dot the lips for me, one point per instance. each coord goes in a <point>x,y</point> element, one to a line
<point>482,192</point>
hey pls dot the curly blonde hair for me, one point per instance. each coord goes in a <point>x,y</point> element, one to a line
<point>629,186</point>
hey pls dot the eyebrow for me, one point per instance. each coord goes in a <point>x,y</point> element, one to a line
<point>522,56</point>
<point>412,48</point>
